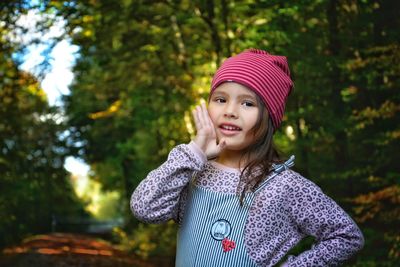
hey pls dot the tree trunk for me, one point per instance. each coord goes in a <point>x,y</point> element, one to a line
<point>336,82</point>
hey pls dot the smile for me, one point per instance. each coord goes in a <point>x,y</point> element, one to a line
<point>229,129</point>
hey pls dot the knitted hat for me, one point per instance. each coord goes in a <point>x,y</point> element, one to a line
<point>267,75</point>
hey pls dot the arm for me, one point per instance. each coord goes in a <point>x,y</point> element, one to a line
<point>337,236</point>
<point>156,199</point>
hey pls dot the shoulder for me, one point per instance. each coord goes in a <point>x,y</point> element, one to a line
<point>292,179</point>
<point>287,186</point>
<point>303,196</point>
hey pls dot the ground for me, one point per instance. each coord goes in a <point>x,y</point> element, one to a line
<point>71,250</point>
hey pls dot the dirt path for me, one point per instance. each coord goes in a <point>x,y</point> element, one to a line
<point>69,250</point>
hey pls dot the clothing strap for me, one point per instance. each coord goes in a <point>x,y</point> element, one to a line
<point>277,169</point>
<point>284,166</point>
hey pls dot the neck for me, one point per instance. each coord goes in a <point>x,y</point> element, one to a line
<point>230,158</point>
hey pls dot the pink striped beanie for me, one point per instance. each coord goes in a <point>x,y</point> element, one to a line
<point>267,75</point>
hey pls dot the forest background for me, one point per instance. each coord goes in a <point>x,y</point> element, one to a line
<point>143,65</point>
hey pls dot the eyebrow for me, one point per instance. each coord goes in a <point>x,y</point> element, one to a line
<point>240,96</point>
<point>247,95</point>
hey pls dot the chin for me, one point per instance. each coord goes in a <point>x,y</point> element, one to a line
<point>233,146</point>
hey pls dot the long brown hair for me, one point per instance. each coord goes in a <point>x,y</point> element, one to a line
<point>260,155</point>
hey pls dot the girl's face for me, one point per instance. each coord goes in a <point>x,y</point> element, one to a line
<point>234,111</point>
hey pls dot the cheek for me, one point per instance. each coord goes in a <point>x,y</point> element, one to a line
<point>252,119</point>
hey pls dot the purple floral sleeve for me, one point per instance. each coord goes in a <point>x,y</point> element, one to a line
<point>157,197</point>
<point>316,214</point>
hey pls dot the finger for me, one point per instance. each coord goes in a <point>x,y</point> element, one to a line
<point>202,118</point>
<point>205,112</point>
<point>210,123</point>
<point>206,116</point>
<point>196,118</point>
<point>221,145</point>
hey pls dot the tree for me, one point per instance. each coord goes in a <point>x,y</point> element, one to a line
<point>142,67</point>
<point>34,184</point>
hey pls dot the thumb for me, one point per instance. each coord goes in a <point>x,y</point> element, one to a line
<point>221,145</point>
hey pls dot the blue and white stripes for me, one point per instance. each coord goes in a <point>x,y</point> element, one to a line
<point>212,218</point>
<point>196,244</point>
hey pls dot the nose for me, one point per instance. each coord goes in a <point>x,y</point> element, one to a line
<point>230,111</point>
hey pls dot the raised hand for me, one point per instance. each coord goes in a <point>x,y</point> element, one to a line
<point>206,137</point>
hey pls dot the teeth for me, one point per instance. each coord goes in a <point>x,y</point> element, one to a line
<point>227,127</point>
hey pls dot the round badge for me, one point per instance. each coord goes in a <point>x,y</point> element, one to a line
<point>220,229</point>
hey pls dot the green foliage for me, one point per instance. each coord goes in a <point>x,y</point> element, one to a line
<point>33,183</point>
<point>101,204</point>
<point>157,60</point>
<point>149,240</point>
<point>143,66</point>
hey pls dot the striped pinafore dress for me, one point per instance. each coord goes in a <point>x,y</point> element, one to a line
<point>212,228</point>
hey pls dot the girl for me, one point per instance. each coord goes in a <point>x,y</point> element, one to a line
<point>236,202</point>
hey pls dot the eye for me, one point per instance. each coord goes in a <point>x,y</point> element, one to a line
<point>248,103</point>
<point>219,100</point>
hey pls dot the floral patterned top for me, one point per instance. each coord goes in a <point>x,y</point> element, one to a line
<point>290,208</point>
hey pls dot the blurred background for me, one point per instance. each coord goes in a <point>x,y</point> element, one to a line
<point>95,93</point>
